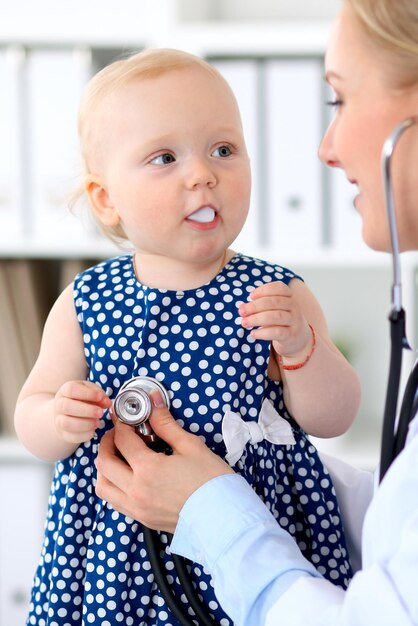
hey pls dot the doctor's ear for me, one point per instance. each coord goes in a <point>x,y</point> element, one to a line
<point>100,202</point>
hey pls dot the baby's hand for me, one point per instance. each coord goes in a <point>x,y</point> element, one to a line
<point>275,315</point>
<point>79,405</point>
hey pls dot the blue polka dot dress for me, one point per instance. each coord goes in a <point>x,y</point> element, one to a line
<point>94,567</point>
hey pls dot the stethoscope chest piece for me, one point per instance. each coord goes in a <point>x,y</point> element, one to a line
<point>132,404</point>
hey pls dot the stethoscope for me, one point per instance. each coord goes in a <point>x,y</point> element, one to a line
<point>132,405</point>
<point>395,430</point>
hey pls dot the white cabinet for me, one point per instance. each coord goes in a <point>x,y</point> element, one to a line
<point>125,22</point>
<point>24,486</point>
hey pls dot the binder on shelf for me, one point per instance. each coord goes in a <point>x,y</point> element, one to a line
<point>23,310</point>
<point>11,143</point>
<point>56,78</point>
<point>69,268</point>
<point>27,298</point>
<point>13,370</point>
<point>293,113</point>
<point>243,77</point>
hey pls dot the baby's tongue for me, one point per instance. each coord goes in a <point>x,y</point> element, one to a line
<point>203,215</point>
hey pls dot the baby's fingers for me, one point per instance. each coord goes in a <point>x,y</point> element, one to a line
<point>272,289</point>
<point>265,319</point>
<point>77,426</point>
<point>265,304</point>
<point>85,391</point>
<point>77,408</point>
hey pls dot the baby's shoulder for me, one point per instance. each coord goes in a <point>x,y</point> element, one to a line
<point>269,270</point>
<point>107,271</point>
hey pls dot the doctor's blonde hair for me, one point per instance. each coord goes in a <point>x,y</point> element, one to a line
<point>150,63</point>
<point>392,27</point>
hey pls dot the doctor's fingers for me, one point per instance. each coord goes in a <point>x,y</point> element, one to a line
<point>117,482</point>
<point>192,462</point>
<point>130,445</point>
<point>136,492</point>
<point>190,466</point>
<point>117,498</point>
<point>166,427</point>
<point>113,476</point>
<point>111,469</point>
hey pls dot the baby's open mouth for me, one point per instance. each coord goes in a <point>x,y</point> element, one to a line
<point>204,215</point>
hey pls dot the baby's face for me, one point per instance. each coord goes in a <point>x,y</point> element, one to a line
<point>174,165</point>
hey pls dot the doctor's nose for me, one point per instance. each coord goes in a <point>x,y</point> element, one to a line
<point>200,174</point>
<point>326,151</point>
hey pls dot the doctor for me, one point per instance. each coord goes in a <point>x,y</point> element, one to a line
<point>259,574</point>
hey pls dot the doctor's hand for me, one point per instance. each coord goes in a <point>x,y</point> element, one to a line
<point>152,487</point>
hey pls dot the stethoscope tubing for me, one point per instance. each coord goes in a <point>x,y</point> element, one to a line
<point>394,434</point>
<point>387,155</point>
<point>154,549</point>
<point>397,333</point>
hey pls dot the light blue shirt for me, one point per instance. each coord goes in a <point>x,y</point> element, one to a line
<point>260,576</point>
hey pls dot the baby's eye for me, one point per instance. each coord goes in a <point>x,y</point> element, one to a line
<point>163,159</point>
<point>222,151</point>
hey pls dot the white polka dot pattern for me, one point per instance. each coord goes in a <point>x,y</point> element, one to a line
<point>94,567</point>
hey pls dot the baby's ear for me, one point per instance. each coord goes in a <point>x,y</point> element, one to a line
<point>100,202</point>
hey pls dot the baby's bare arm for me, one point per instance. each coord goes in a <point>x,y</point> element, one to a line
<point>324,395</point>
<point>57,408</point>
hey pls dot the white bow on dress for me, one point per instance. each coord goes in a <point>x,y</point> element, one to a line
<point>237,433</point>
